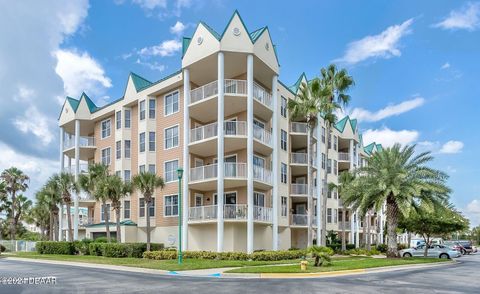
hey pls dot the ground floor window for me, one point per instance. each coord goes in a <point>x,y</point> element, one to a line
<point>126,209</point>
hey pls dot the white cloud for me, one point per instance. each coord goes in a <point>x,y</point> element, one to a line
<point>80,72</point>
<point>383,45</point>
<point>166,48</point>
<point>151,4</point>
<point>472,211</point>
<point>178,28</point>
<point>24,94</point>
<point>466,18</point>
<point>32,121</point>
<point>391,110</point>
<point>388,137</point>
<point>151,65</point>
<point>445,65</point>
<point>452,147</point>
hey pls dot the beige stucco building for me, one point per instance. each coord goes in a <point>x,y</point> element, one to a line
<point>225,100</point>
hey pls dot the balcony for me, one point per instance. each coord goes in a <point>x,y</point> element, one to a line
<point>83,168</point>
<point>83,142</point>
<point>262,140</point>
<point>298,128</point>
<point>301,190</point>
<point>203,100</point>
<point>298,158</point>
<point>85,221</point>
<point>299,220</point>
<point>231,212</point>
<point>86,144</point>
<point>203,139</point>
<point>298,162</point>
<point>263,177</point>
<point>343,157</point>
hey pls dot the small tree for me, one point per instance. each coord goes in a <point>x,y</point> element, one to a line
<point>67,186</point>
<point>14,181</point>
<point>321,254</point>
<point>439,222</point>
<point>115,190</point>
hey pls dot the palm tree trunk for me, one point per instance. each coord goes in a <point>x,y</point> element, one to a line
<point>409,238</point>
<point>50,229</point>
<point>344,242</point>
<point>69,222</point>
<point>364,230</point>
<point>147,216</point>
<point>310,190</point>
<point>392,224</point>
<point>117,218</point>
<point>13,227</point>
<point>107,220</point>
<point>324,198</point>
<point>369,239</point>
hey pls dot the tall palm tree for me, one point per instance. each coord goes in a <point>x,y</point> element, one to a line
<point>115,190</point>
<point>50,196</point>
<point>344,180</point>
<point>67,185</point>
<point>15,181</point>
<point>403,180</point>
<point>306,106</point>
<point>39,215</point>
<point>92,182</point>
<point>146,183</point>
<point>335,84</point>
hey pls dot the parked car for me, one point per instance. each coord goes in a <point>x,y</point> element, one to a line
<point>438,251</point>
<point>474,248</point>
<point>458,246</point>
<point>467,245</point>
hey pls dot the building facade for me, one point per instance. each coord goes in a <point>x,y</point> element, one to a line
<point>223,118</point>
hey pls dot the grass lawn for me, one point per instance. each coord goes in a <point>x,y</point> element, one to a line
<point>337,265</point>
<point>170,265</point>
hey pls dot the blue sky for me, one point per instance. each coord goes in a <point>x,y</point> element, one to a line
<point>416,65</point>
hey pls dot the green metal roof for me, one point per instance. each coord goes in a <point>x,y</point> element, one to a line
<point>369,148</point>
<point>91,106</point>
<point>340,125</point>
<point>139,82</point>
<point>122,223</point>
<point>185,43</point>
<point>294,88</point>
<point>73,103</point>
<point>353,123</point>
<point>379,147</point>
<point>257,33</point>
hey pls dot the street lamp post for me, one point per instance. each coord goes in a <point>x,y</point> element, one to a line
<point>180,175</point>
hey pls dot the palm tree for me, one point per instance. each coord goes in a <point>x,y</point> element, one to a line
<point>39,215</point>
<point>50,197</point>
<point>344,180</point>
<point>92,183</point>
<point>146,183</point>
<point>306,106</point>
<point>403,180</point>
<point>15,181</point>
<point>67,185</point>
<point>334,83</point>
<point>115,189</point>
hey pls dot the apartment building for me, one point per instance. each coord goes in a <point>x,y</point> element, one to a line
<point>223,118</point>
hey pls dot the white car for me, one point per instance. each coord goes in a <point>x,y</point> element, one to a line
<point>437,251</point>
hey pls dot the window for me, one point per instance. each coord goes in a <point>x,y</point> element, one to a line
<point>335,167</point>
<point>330,141</point>
<point>141,168</point>
<point>119,119</point>
<point>171,103</point>
<point>171,171</point>
<point>151,168</point>
<point>127,148</point>
<point>284,206</point>
<point>102,215</point>
<point>151,211</point>
<point>324,186</point>
<point>105,128</point>
<point>118,150</point>
<point>126,209</point>
<point>283,140</point>
<point>324,158</point>
<point>171,205</point>
<point>283,173</point>
<point>127,175</point>
<point>335,219</point>
<point>106,156</point>
<point>118,173</point>
<point>142,142</point>
<point>329,193</point>
<point>142,110</point>
<point>329,215</point>
<point>127,113</point>
<point>151,108</point>
<point>258,199</point>
<point>335,143</point>
<point>329,166</point>
<point>151,141</point>
<point>323,135</point>
<point>283,107</point>
<point>171,137</point>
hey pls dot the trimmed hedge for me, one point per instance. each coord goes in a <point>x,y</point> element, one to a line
<point>55,247</point>
<point>259,255</point>
<point>382,248</point>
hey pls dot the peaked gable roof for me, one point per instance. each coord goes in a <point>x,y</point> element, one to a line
<point>340,125</point>
<point>139,82</point>
<point>91,106</point>
<point>294,88</point>
<point>73,103</point>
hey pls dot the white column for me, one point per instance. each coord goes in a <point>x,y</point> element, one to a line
<point>319,180</point>
<point>186,156</point>
<point>276,167</point>
<point>77,171</point>
<point>250,153</point>
<point>220,150</point>
<point>357,231</point>
<point>62,165</point>
<point>351,155</point>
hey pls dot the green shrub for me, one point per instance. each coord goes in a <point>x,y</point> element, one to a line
<point>55,247</point>
<point>96,249</point>
<point>382,248</point>
<point>321,254</point>
<point>335,247</point>
<point>278,255</point>
<point>350,246</point>
<point>117,250</point>
<point>2,248</point>
<point>104,240</point>
<point>259,256</point>
<point>401,246</point>
<point>232,256</point>
<point>82,247</point>
<point>160,254</point>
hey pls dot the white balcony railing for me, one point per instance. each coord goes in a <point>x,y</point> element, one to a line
<point>231,170</point>
<point>85,221</point>
<point>83,142</point>
<point>83,168</point>
<point>298,158</point>
<point>238,87</point>
<point>298,127</point>
<point>299,189</point>
<point>263,214</point>
<point>235,170</point>
<point>204,132</point>
<point>343,156</point>
<point>198,213</point>
<point>261,174</point>
<point>261,95</point>
<point>262,135</point>
<point>299,219</point>
<point>235,128</point>
<point>235,211</point>
<point>204,92</point>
